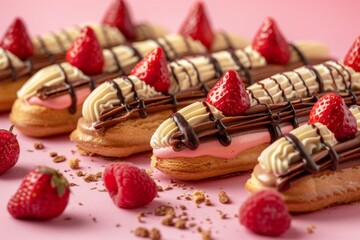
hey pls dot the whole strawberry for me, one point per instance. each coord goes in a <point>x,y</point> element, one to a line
<point>197,25</point>
<point>265,213</point>
<point>17,40</point>
<point>129,186</point>
<point>229,95</point>
<point>271,44</point>
<point>9,150</point>
<point>43,194</point>
<point>352,58</point>
<point>332,111</point>
<point>86,53</point>
<point>119,16</point>
<point>153,70</point>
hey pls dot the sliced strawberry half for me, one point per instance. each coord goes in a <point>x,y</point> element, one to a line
<point>86,53</point>
<point>229,95</point>
<point>197,25</point>
<point>119,16</point>
<point>17,41</point>
<point>271,44</point>
<point>332,111</point>
<point>352,58</point>
<point>153,70</point>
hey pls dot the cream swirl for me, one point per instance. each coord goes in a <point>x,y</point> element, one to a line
<point>194,114</point>
<point>278,157</point>
<point>58,41</point>
<point>50,76</point>
<point>105,96</point>
<point>302,82</point>
<point>7,57</point>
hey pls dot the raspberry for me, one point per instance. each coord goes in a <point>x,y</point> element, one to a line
<point>128,185</point>
<point>9,150</point>
<point>265,213</point>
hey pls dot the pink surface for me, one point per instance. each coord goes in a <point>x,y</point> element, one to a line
<point>332,22</point>
<point>338,222</point>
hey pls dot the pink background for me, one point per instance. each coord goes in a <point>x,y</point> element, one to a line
<point>331,22</point>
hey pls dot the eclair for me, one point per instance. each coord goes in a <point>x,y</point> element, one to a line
<point>45,50</point>
<point>206,139</point>
<point>316,165</point>
<point>50,101</point>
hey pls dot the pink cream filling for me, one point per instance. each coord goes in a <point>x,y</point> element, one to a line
<point>238,144</point>
<point>60,102</point>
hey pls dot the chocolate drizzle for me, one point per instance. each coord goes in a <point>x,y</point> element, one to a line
<point>46,50</point>
<point>59,43</point>
<point>217,67</point>
<point>227,40</point>
<point>187,135</point>
<point>244,69</point>
<point>309,164</point>
<point>11,66</point>
<point>300,54</point>
<point>117,62</point>
<point>318,77</point>
<point>72,108</point>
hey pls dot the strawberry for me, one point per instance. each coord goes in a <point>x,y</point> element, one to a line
<point>43,194</point>
<point>229,95</point>
<point>265,213</point>
<point>118,16</point>
<point>128,185</point>
<point>352,58</point>
<point>85,53</point>
<point>332,111</point>
<point>271,44</point>
<point>197,25</point>
<point>153,70</point>
<point>17,40</point>
<point>9,150</point>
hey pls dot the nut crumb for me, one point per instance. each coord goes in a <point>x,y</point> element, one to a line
<point>90,177</point>
<point>310,229</point>
<point>80,174</point>
<point>98,175</point>
<point>53,154</point>
<point>94,219</point>
<point>167,188</point>
<point>73,184</point>
<point>199,196</point>
<point>139,217</point>
<point>58,159</point>
<point>102,190</point>
<point>206,235</point>
<point>168,220</point>
<point>155,234</point>
<point>224,198</point>
<point>74,163</point>
<point>117,225</point>
<point>159,188</point>
<point>163,210</point>
<point>182,207</point>
<point>38,145</point>
<point>29,150</point>
<point>81,204</point>
<point>180,224</point>
<point>141,232</point>
<point>208,202</point>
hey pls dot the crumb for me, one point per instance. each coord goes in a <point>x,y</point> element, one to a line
<point>74,163</point>
<point>90,177</point>
<point>150,172</point>
<point>141,232</point>
<point>224,198</point>
<point>38,145</point>
<point>53,154</point>
<point>168,220</point>
<point>73,184</point>
<point>59,159</point>
<point>139,216</point>
<point>159,188</point>
<point>236,215</point>
<point>192,225</point>
<point>29,150</point>
<point>102,190</point>
<point>67,218</point>
<point>206,235</point>
<point>94,219</point>
<point>199,229</point>
<point>117,225</point>
<point>222,215</point>
<point>73,151</point>
<point>80,174</point>
<point>94,188</point>
<point>155,234</point>
<point>208,202</point>
<point>182,207</point>
<point>310,229</point>
<point>168,188</point>
<point>98,175</point>
<point>81,204</point>
<point>188,198</point>
<point>163,210</point>
<point>199,196</point>
<point>180,224</point>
